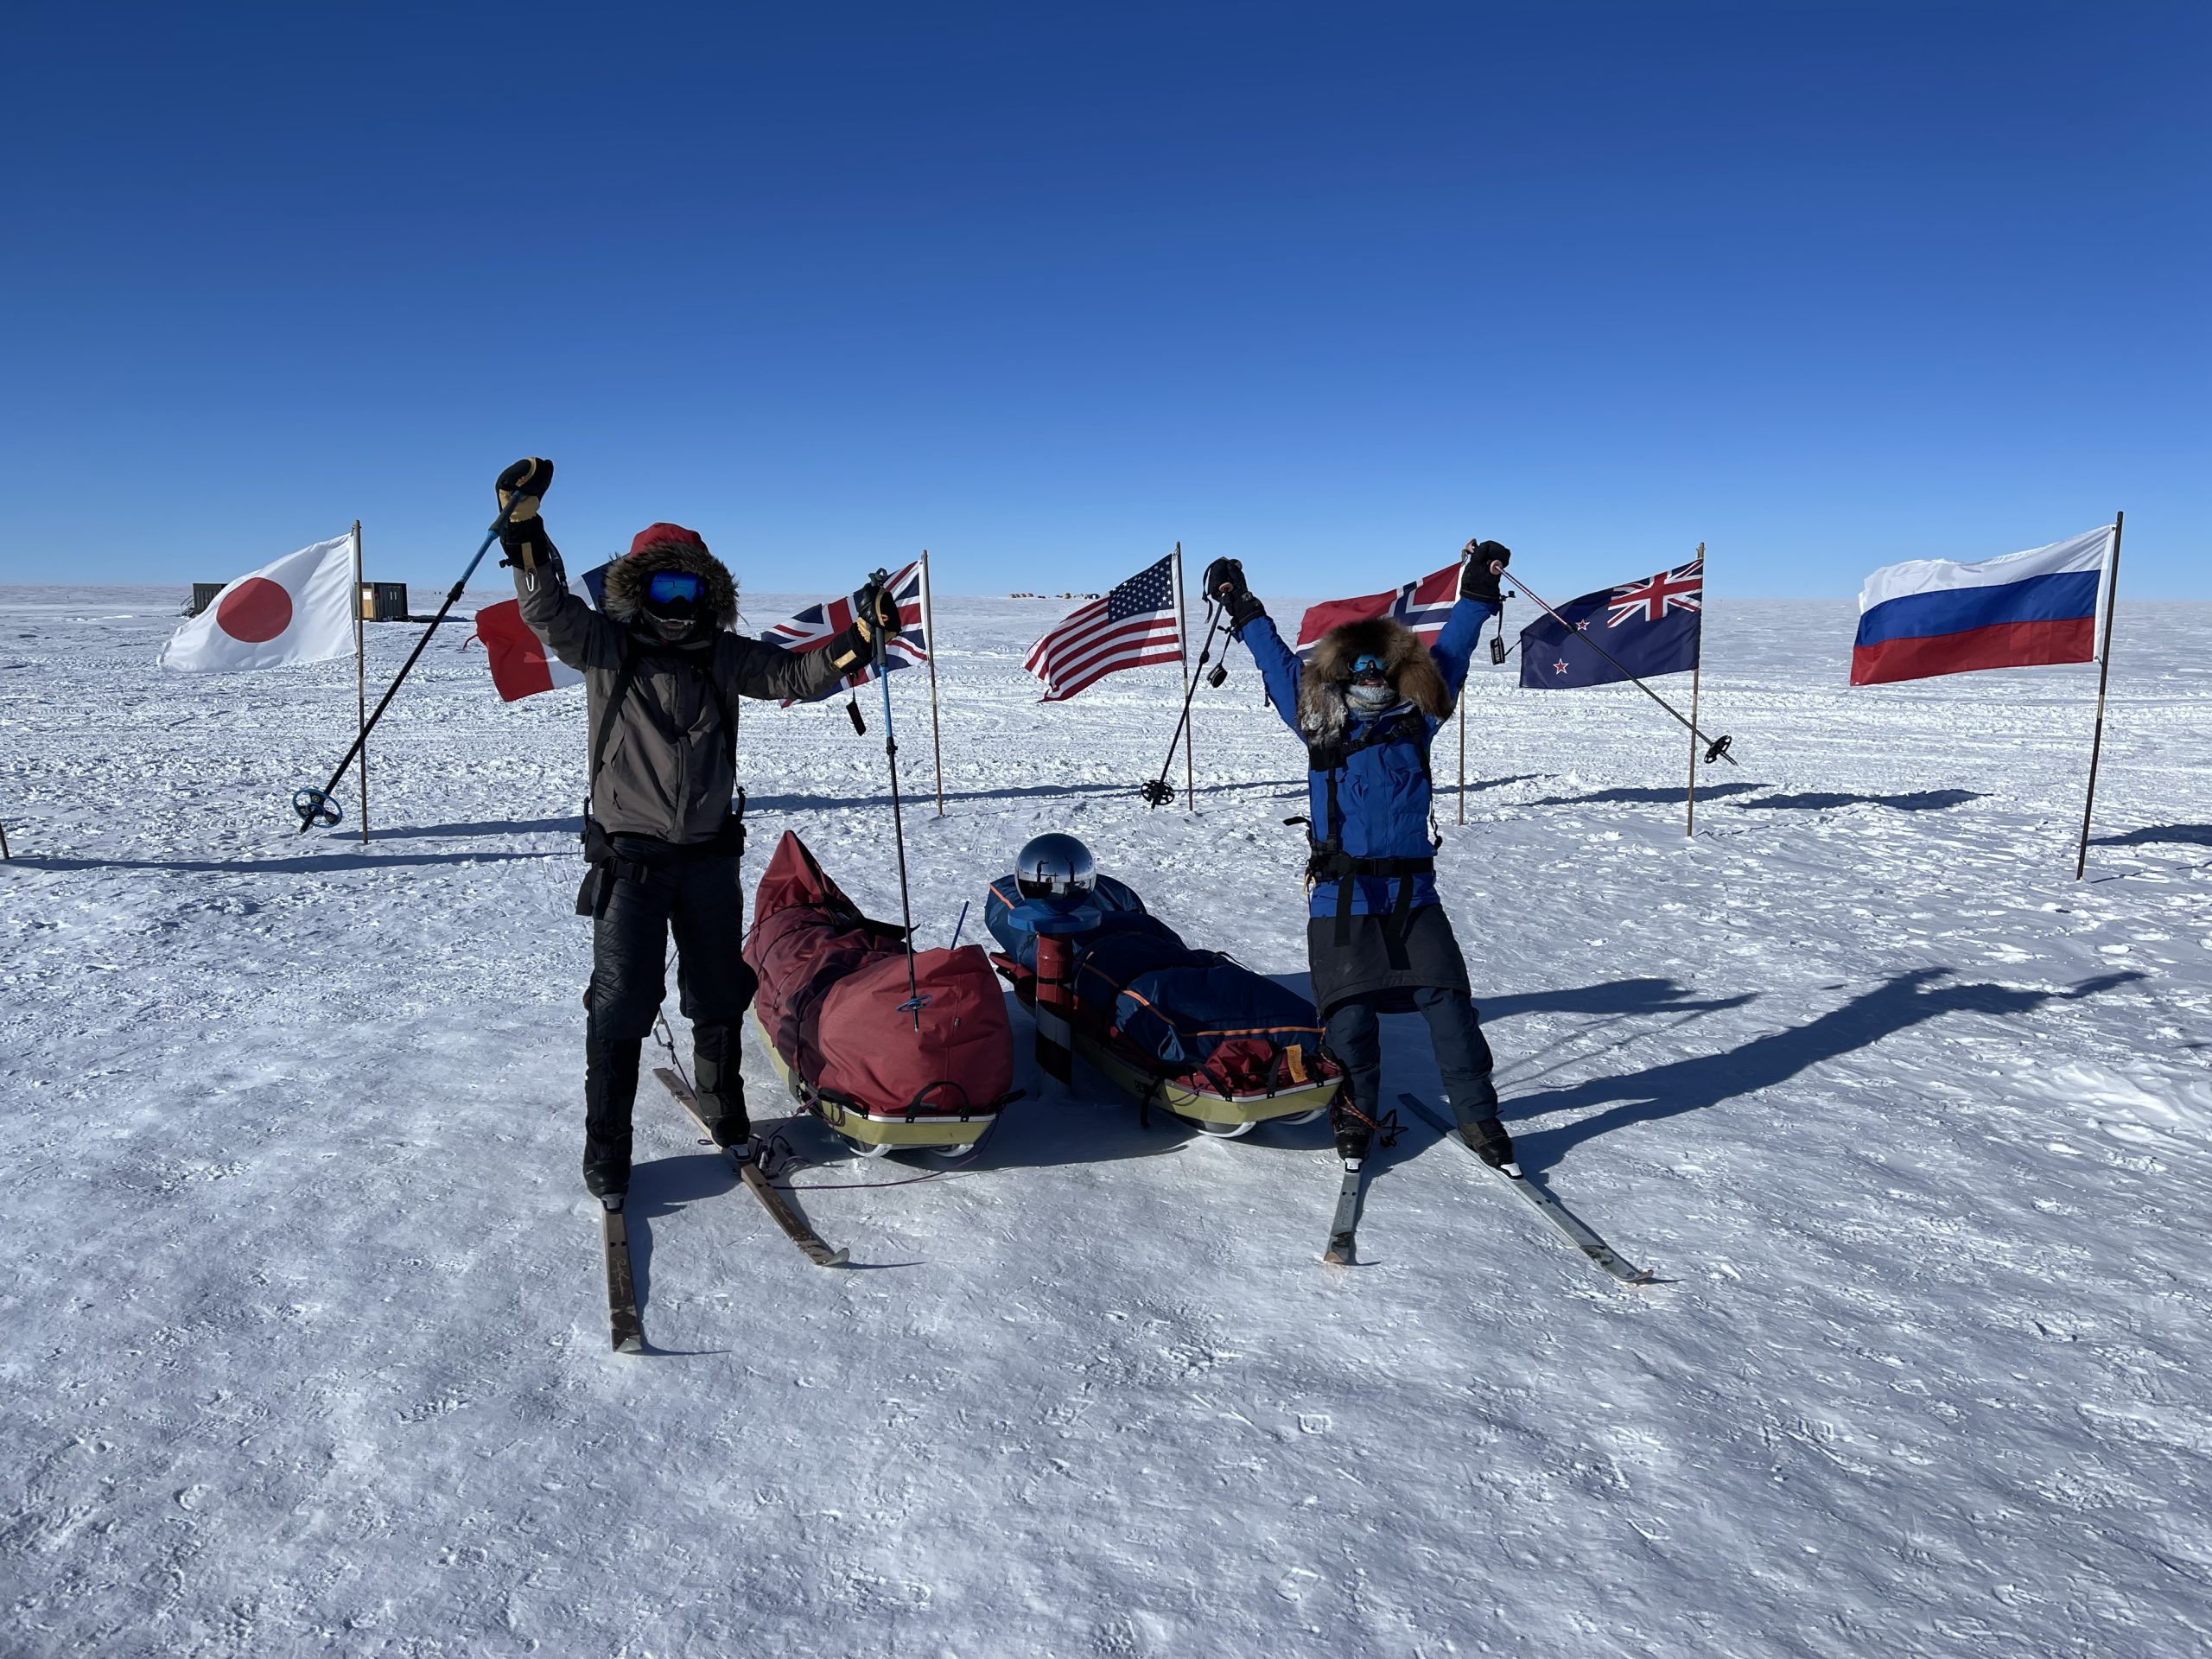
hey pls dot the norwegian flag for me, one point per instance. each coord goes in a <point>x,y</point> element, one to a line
<point>1647,627</point>
<point>1423,605</point>
<point>817,625</point>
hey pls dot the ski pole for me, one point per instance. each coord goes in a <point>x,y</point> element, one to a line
<point>1158,791</point>
<point>308,817</point>
<point>913,1005</point>
<point>1715,748</point>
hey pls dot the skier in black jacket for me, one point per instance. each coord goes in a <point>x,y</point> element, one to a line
<point>663,673</point>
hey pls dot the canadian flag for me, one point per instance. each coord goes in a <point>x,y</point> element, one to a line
<point>521,665</point>
<point>297,610</point>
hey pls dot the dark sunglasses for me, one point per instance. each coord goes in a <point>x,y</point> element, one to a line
<point>1369,667</point>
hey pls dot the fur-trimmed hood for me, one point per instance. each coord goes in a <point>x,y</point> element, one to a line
<point>1322,715</point>
<point>626,581</point>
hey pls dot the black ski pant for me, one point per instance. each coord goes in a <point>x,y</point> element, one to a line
<point>1353,1037</point>
<point>649,892</point>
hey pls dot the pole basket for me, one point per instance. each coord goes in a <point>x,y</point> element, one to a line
<point>1158,791</point>
<point>1717,749</point>
<point>315,807</point>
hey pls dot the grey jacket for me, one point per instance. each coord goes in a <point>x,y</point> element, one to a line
<point>669,770</point>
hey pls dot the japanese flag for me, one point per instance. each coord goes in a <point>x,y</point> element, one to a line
<point>297,610</point>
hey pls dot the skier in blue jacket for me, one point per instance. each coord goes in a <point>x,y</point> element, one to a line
<point>1366,705</point>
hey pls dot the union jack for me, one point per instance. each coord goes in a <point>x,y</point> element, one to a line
<point>818,623</point>
<point>1679,590</point>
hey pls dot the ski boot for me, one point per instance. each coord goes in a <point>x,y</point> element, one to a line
<point>608,1179</point>
<point>1487,1139</point>
<point>1354,1133</point>
<point>610,1086</point>
<point>720,1088</point>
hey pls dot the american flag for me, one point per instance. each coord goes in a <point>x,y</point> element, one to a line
<point>1131,627</point>
<point>1423,605</point>
<point>817,625</point>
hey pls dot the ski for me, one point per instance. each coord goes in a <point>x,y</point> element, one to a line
<point>1344,1242</point>
<point>1578,1233</point>
<point>628,1330</point>
<point>810,1243</point>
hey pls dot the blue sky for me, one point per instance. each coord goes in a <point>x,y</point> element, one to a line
<point>1047,289</point>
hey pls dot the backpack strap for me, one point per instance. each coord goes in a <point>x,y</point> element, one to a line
<point>1331,862</point>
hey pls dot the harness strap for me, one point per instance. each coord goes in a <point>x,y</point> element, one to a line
<point>1330,861</point>
<point>728,841</point>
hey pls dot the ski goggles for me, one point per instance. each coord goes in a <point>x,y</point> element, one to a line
<point>675,592</point>
<point>1369,669</point>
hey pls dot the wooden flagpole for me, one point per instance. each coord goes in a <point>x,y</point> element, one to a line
<point>1697,670</point>
<point>2104,675</point>
<point>360,681</point>
<point>1190,732</point>
<point>929,636</point>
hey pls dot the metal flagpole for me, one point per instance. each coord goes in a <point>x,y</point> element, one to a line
<point>1183,645</point>
<point>1697,669</point>
<point>2104,675</point>
<point>1191,731</point>
<point>929,640</point>
<point>1464,557</point>
<point>360,680</point>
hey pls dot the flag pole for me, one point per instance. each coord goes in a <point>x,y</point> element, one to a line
<point>1183,648</point>
<point>1463,557</point>
<point>360,681</point>
<point>1697,670</point>
<point>929,636</point>
<point>2104,675</point>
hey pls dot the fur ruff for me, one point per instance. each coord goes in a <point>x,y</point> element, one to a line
<point>626,578</point>
<point>1322,715</point>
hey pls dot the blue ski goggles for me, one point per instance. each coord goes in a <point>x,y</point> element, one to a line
<point>675,593</point>
<point>1369,667</point>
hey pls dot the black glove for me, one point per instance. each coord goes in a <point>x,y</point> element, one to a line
<point>1224,583</point>
<point>1486,562</point>
<point>876,613</point>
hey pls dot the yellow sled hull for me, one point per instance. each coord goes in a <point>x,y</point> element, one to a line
<point>1201,1105</point>
<point>924,1129</point>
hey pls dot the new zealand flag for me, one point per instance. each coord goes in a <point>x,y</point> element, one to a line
<point>1649,627</point>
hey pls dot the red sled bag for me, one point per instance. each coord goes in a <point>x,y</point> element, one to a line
<point>833,1003</point>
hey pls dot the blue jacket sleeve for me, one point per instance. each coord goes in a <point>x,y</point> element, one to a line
<point>1455,646</point>
<point>1278,666</point>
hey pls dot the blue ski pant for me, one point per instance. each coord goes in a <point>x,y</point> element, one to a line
<point>1354,1038</point>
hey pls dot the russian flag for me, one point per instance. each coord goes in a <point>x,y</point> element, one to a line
<point>1934,616</point>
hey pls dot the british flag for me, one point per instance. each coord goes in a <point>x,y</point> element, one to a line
<point>1681,589</point>
<point>818,623</point>
<point>1424,605</point>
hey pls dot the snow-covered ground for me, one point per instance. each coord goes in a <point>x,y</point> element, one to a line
<point>305,1340</point>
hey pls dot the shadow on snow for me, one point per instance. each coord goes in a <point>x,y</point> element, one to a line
<point>1688,1085</point>
<point>2183,834</point>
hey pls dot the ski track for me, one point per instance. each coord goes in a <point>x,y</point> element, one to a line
<point>306,1343</point>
